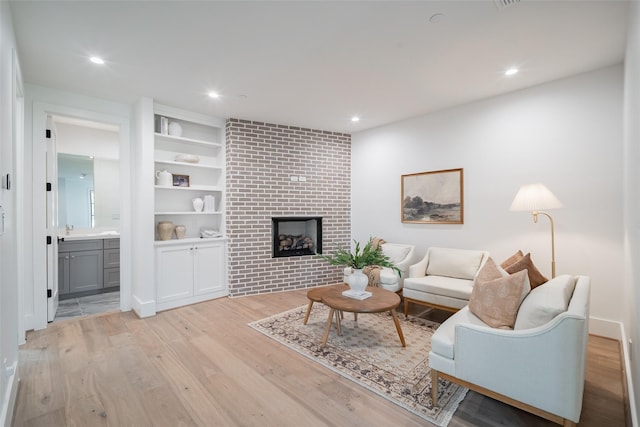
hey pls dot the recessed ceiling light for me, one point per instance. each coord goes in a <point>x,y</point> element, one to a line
<point>355,119</point>
<point>96,60</point>
<point>511,72</point>
<point>214,95</point>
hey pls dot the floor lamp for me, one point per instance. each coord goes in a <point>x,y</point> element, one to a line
<point>537,198</point>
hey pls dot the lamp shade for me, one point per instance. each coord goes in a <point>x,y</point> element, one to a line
<point>534,197</point>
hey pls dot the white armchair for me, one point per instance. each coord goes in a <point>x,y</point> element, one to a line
<point>402,256</point>
<point>536,367</point>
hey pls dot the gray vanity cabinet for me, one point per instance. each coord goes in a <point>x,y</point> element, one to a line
<point>82,265</point>
<point>111,263</point>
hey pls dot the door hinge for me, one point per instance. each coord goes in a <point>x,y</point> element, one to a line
<point>48,186</point>
<point>49,294</point>
<point>48,240</point>
<point>48,133</point>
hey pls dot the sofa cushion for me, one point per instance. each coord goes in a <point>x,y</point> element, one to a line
<point>388,276</point>
<point>440,285</point>
<point>443,339</point>
<point>545,302</point>
<point>496,301</point>
<point>457,263</point>
<point>512,259</point>
<point>396,253</point>
<point>535,277</point>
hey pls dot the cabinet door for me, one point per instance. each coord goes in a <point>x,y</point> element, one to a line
<point>63,273</point>
<point>174,272</point>
<point>85,270</point>
<point>208,268</point>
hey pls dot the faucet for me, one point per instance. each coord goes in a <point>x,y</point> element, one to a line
<point>68,228</point>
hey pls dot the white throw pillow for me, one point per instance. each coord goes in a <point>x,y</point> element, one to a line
<point>396,253</point>
<point>457,263</point>
<point>545,302</point>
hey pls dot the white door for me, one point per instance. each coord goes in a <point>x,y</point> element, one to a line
<point>52,222</point>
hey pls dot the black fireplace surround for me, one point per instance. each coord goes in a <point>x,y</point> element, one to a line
<point>296,236</point>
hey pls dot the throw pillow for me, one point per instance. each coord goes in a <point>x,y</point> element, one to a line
<point>396,253</point>
<point>545,302</point>
<point>535,277</point>
<point>496,302</point>
<point>489,271</point>
<point>512,259</point>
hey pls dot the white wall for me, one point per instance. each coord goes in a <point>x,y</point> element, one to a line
<point>566,134</point>
<point>632,206</point>
<point>9,152</point>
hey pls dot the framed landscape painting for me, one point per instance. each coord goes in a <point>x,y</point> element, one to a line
<point>433,197</point>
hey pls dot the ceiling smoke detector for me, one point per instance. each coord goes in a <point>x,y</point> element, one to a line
<point>501,4</point>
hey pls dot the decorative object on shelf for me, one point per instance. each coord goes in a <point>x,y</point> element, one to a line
<point>165,230</point>
<point>163,178</point>
<point>180,231</point>
<point>187,158</point>
<point>180,180</point>
<point>209,203</point>
<point>432,197</point>
<point>358,259</point>
<point>537,198</point>
<point>198,204</point>
<point>206,232</point>
<point>175,129</point>
<point>162,125</point>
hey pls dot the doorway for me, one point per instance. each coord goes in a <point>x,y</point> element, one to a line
<point>83,260</point>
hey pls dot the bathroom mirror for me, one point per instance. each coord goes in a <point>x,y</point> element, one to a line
<point>88,174</point>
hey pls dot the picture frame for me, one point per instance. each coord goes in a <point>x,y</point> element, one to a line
<point>434,197</point>
<point>180,180</point>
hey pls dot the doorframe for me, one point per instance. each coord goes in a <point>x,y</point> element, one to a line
<point>40,112</point>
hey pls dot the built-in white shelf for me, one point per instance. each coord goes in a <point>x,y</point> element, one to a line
<point>191,188</point>
<point>194,165</point>
<point>188,140</point>
<point>188,213</point>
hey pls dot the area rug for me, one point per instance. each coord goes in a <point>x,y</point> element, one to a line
<point>369,353</point>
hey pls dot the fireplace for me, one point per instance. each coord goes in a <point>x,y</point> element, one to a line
<point>296,236</point>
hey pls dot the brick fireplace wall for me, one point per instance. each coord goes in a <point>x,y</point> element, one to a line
<point>261,159</point>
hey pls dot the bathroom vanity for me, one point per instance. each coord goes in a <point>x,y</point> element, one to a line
<point>88,264</point>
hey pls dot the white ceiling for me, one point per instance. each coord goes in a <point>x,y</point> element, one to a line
<point>313,64</point>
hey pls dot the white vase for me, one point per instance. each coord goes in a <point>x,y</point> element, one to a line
<point>198,204</point>
<point>358,281</point>
<point>175,129</point>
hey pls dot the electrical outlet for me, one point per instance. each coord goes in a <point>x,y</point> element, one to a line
<point>302,179</point>
<point>294,179</point>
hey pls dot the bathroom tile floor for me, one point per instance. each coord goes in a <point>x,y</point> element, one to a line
<point>85,306</point>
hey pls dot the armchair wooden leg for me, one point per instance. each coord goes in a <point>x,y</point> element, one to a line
<point>434,387</point>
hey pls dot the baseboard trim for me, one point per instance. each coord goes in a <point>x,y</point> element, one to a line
<point>143,309</point>
<point>605,328</point>
<point>9,404</point>
<point>630,395</point>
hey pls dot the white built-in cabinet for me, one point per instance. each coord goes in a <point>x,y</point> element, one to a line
<point>190,269</point>
<point>190,272</point>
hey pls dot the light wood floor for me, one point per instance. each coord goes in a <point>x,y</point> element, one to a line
<point>203,366</point>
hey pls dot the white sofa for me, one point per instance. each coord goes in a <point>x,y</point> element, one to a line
<point>402,256</point>
<point>538,366</point>
<point>443,279</point>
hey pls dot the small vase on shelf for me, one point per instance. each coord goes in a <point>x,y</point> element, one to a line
<point>180,231</point>
<point>198,204</point>
<point>165,230</point>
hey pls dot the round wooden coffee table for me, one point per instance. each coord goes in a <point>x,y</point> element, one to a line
<point>316,294</point>
<point>381,300</point>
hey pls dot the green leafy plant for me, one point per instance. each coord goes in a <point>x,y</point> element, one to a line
<point>360,258</point>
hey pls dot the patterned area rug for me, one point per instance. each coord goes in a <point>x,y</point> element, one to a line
<point>369,352</point>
